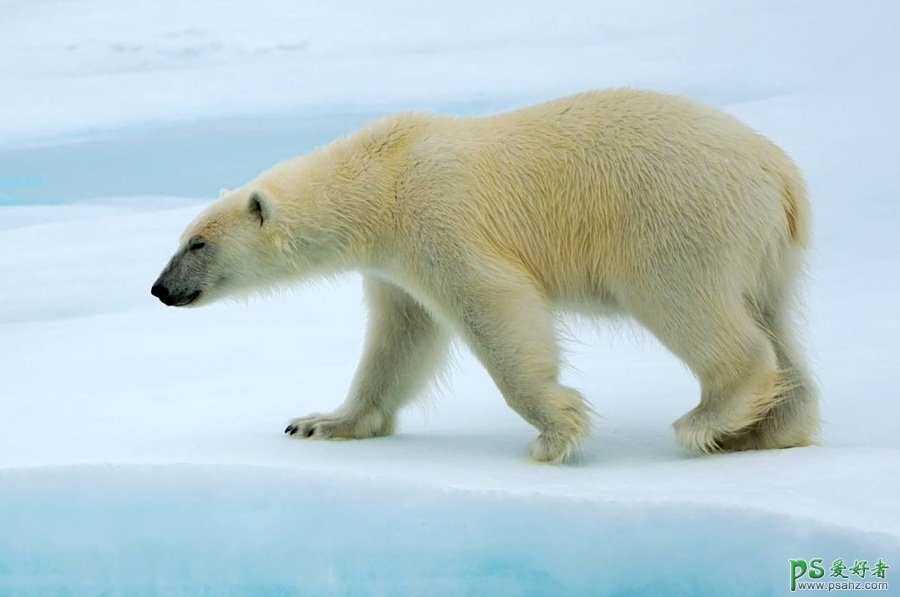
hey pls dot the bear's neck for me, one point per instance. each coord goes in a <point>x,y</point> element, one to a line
<point>346,194</point>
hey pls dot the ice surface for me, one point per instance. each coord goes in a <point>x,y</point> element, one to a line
<point>187,530</point>
<point>141,447</point>
<point>79,67</point>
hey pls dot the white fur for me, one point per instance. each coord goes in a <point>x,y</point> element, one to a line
<point>622,200</point>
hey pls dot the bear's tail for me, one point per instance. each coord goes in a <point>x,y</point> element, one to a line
<point>796,205</point>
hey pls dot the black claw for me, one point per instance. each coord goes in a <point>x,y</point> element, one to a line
<point>310,432</point>
<point>290,429</point>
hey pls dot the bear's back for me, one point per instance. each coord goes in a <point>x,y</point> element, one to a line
<point>602,181</point>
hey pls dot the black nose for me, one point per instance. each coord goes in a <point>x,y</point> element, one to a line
<point>162,293</point>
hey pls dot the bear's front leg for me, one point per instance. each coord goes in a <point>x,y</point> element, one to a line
<point>404,347</point>
<point>510,327</point>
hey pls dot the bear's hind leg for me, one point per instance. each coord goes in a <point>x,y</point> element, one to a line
<point>794,420</point>
<point>404,347</point>
<point>510,328</point>
<point>731,356</point>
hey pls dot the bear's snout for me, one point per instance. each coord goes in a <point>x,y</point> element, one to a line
<point>162,293</point>
<point>174,298</point>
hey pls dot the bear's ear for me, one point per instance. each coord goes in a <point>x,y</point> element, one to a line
<point>260,207</point>
<point>223,192</point>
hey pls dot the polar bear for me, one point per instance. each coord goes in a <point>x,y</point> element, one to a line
<point>622,200</point>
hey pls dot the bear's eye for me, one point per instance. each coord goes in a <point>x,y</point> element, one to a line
<point>197,245</point>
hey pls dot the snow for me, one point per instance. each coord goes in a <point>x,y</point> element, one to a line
<point>82,67</point>
<point>141,448</point>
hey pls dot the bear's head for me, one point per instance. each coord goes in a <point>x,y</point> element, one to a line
<point>229,248</point>
<point>315,215</point>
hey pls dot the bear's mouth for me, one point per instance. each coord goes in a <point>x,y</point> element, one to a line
<point>188,299</point>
